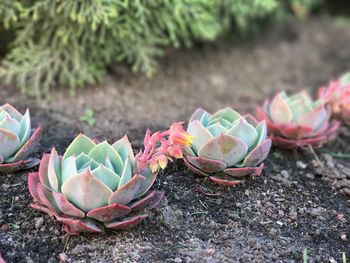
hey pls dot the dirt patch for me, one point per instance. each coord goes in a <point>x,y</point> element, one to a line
<point>295,205</point>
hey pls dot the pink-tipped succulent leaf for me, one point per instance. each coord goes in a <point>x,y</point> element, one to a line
<point>296,121</point>
<point>93,186</point>
<point>337,95</point>
<point>226,146</point>
<point>17,140</point>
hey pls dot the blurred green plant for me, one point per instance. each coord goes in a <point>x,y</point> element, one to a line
<point>69,43</point>
<point>89,117</point>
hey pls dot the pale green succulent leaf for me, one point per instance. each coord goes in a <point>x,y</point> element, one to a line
<point>92,164</point>
<point>107,162</point>
<point>225,148</point>
<point>106,176</point>
<point>81,144</point>
<point>81,160</point>
<point>12,111</point>
<point>123,147</point>
<point>10,124</point>
<point>86,192</point>
<point>200,135</point>
<point>280,111</point>
<point>205,119</point>
<point>69,168</point>
<point>25,131</point>
<point>9,143</point>
<point>244,131</point>
<point>54,174</point>
<point>227,114</point>
<point>102,150</point>
<point>216,129</point>
<point>126,174</point>
<point>261,128</point>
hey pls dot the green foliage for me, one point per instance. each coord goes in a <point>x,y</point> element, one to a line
<point>89,117</point>
<point>69,43</point>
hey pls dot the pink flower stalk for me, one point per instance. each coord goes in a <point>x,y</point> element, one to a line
<point>161,147</point>
<point>337,95</point>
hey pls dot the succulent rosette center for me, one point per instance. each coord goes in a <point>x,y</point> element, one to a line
<point>226,145</point>
<point>93,184</point>
<point>17,140</point>
<point>296,121</point>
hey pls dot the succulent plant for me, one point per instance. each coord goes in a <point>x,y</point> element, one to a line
<point>337,95</point>
<point>226,146</point>
<point>97,185</point>
<point>17,140</point>
<point>296,121</point>
<point>93,185</point>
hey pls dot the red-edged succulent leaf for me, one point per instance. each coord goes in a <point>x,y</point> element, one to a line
<point>46,198</point>
<point>258,154</point>
<point>108,213</point>
<point>2,259</point>
<point>244,171</point>
<point>150,179</point>
<point>75,226</point>
<point>17,166</point>
<point>33,181</point>
<point>251,119</point>
<point>280,112</point>
<point>44,169</point>
<point>29,146</point>
<point>14,113</point>
<point>332,130</point>
<point>224,180</point>
<point>128,222</point>
<point>150,201</point>
<point>42,208</point>
<point>206,165</point>
<point>66,207</point>
<point>194,169</point>
<point>293,131</point>
<point>226,148</point>
<point>126,193</point>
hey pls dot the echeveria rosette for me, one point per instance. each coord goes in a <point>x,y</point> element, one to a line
<point>93,186</point>
<point>226,146</point>
<point>17,140</point>
<point>296,121</point>
<point>337,95</point>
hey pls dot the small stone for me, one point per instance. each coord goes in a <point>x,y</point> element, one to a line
<point>343,184</point>
<point>177,260</point>
<point>39,222</point>
<point>279,199</point>
<point>209,252</point>
<point>301,165</point>
<point>4,228</point>
<point>345,171</point>
<point>285,174</point>
<point>345,191</point>
<point>310,176</point>
<point>293,214</point>
<point>343,237</point>
<point>329,160</point>
<point>63,257</point>
<point>316,211</point>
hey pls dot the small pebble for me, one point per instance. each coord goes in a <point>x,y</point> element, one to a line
<point>63,257</point>
<point>301,165</point>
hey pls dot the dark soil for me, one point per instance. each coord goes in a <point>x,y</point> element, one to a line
<point>301,203</point>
